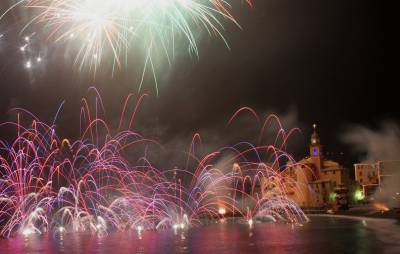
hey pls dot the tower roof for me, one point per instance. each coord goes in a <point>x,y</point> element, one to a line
<point>315,137</point>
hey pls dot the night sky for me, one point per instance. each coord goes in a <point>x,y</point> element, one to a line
<point>321,61</point>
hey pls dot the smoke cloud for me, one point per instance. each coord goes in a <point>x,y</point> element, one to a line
<point>382,145</point>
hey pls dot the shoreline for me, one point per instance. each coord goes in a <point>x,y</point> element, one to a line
<point>359,211</point>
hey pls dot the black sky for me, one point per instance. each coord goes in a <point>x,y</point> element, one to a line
<point>321,59</point>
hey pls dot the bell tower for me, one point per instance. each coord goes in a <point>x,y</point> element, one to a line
<point>316,148</point>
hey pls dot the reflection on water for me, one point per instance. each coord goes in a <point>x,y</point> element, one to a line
<point>321,235</point>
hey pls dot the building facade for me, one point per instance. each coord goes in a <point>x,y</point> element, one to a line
<point>377,177</point>
<point>314,180</point>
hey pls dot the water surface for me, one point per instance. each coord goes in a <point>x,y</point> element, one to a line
<point>321,235</point>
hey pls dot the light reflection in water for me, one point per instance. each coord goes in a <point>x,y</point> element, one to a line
<point>324,235</point>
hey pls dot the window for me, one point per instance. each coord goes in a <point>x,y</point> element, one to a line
<point>315,151</point>
<point>326,172</point>
<point>334,171</point>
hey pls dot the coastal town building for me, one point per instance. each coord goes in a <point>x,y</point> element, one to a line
<point>315,180</point>
<point>367,177</point>
<point>376,177</point>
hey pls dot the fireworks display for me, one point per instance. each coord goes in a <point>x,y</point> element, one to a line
<point>94,184</point>
<point>111,32</point>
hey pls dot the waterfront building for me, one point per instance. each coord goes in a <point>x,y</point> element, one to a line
<point>315,180</point>
<point>377,177</point>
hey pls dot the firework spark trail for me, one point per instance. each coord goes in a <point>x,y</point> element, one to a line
<point>100,30</point>
<point>48,184</point>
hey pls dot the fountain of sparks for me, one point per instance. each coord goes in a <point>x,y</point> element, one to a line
<point>49,184</point>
